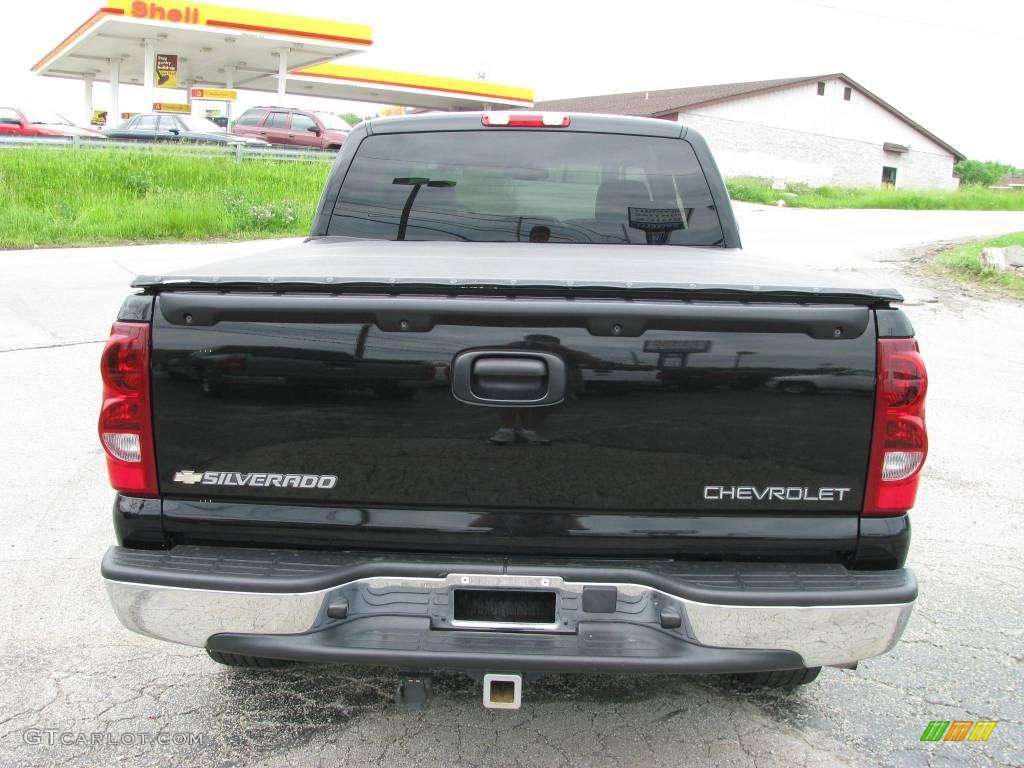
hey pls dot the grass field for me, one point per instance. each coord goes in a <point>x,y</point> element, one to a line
<point>962,263</point>
<point>754,189</point>
<point>58,197</point>
<point>95,197</point>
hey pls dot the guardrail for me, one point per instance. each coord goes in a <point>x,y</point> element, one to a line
<point>240,152</point>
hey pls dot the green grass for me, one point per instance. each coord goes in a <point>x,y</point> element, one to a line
<point>753,189</point>
<point>962,263</point>
<point>99,196</point>
<point>90,197</point>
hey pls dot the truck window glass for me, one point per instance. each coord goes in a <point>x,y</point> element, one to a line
<point>526,186</point>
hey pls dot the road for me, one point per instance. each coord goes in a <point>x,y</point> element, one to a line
<point>69,667</point>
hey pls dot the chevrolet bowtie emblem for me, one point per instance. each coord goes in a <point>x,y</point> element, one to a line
<point>188,477</point>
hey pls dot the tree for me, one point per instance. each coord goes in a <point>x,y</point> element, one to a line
<point>351,118</point>
<point>983,173</point>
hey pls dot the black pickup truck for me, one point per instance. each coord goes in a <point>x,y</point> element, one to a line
<point>520,404</point>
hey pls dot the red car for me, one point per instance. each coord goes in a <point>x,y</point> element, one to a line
<point>295,127</point>
<point>21,122</point>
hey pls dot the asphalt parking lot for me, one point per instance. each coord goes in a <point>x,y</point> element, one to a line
<point>69,668</point>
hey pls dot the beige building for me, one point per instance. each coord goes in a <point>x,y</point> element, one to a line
<point>825,129</point>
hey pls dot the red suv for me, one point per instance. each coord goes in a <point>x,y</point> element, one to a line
<point>296,127</point>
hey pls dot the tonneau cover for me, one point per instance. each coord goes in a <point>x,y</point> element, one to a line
<point>334,264</point>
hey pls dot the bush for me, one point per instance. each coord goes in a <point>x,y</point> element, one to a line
<point>985,174</point>
<point>264,216</point>
<point>138,185</point>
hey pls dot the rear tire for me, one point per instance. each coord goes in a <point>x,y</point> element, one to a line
<point>249,662</point>
<point>786,679</point>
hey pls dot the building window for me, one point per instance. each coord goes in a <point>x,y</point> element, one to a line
<point>821,87</point>
<point>847,93</point>
<point>888,176</point>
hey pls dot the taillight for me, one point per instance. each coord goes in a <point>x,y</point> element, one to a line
<point>899,442</point>
<point>126,427</point>
<point>525,120</point>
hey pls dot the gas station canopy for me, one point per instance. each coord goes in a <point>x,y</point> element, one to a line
<point>207,39</point>
<point>343,81</point>
<point>222,47</point>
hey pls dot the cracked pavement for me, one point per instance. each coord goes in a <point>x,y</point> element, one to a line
<point>69,667</point>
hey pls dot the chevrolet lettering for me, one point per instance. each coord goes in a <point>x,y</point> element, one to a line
<point>532,346</point>
<point>773,493</point>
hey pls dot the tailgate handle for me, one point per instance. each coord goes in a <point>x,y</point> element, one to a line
<point>511,379</point>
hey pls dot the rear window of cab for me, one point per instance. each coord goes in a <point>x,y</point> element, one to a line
<point>526,186</point>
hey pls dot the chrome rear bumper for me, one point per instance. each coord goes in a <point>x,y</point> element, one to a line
<point>651,619</point>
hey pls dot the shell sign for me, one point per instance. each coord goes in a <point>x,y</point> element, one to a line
<point>215,94</point>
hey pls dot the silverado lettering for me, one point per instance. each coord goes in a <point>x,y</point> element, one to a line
<point>562,395</point>
<point>256,479</point>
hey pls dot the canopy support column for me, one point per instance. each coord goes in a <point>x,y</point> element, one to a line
<point>282,74</point>
<point>88,99</point>
<point>149,70</point>
<point>229,83</point>
<point>114,111</point>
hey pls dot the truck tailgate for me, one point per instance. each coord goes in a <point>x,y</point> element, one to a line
<point>666,406</point>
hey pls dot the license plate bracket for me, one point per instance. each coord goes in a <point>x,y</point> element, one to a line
<point>504,608</point>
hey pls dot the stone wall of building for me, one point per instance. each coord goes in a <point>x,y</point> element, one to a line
<point>749,149</point>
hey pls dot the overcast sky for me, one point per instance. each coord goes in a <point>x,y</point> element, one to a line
<point>954,67</point>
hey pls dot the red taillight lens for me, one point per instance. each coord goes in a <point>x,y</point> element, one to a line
<point>123,361</point>
<point>525,120</point>
<point>899,443</point>
<point>906,380</point>
<point>126,428</point>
